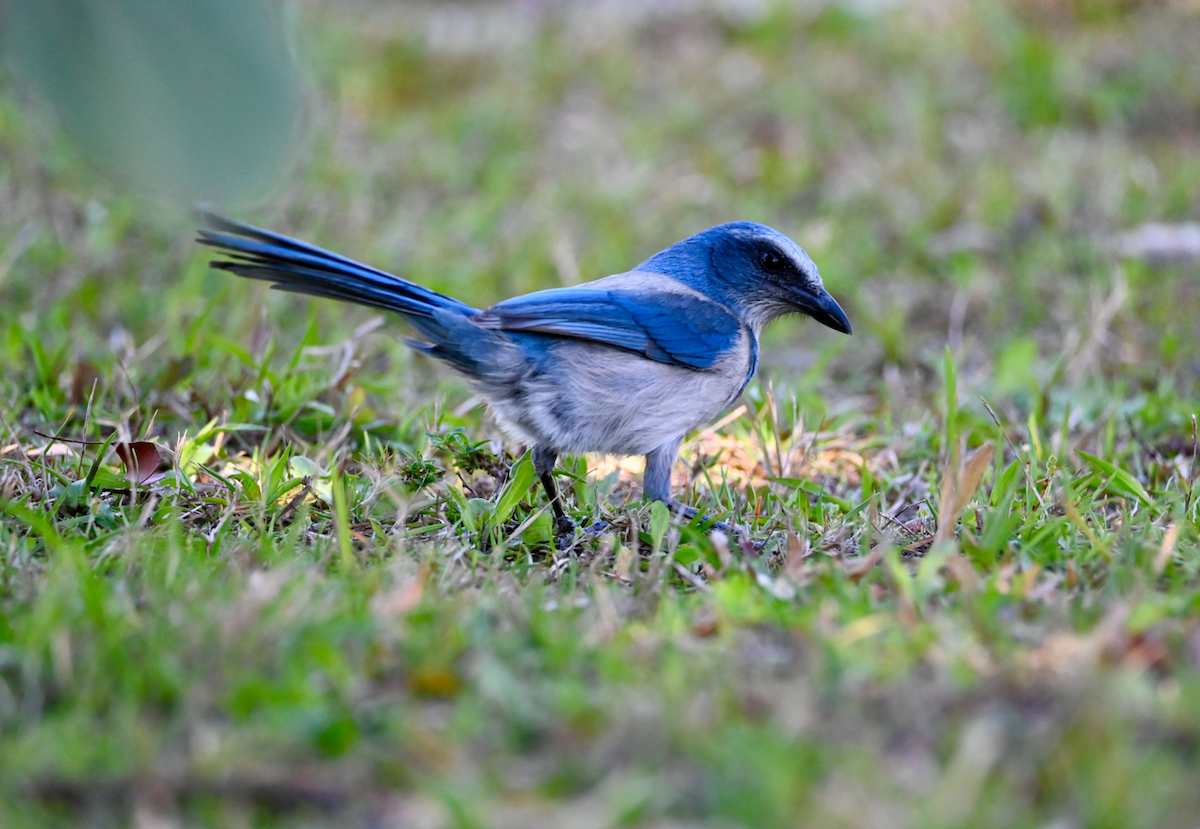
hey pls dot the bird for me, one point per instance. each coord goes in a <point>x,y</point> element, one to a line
<point>624,365</point>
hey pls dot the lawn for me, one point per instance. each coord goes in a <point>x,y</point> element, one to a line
<point>262,565</point>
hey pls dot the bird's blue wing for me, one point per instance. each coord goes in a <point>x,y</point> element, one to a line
<point>675,328</point>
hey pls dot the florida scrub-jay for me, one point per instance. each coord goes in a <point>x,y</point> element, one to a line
<point>625,365</point>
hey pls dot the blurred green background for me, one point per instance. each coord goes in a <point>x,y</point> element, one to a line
<point>963,174</point>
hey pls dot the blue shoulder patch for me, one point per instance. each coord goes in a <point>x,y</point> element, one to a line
<point>674,328</point>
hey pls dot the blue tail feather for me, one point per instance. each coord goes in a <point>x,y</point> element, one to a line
<point>298,267</point>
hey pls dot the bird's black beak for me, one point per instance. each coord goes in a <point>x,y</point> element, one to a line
<point>824,309</point>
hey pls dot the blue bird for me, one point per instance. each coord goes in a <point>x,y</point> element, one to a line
<point>625,365</point>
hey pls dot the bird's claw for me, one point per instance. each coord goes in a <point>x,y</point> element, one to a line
<point>565,530</point>
<point>691,514</point>
<point>725,528</point>
<point>595,528</point>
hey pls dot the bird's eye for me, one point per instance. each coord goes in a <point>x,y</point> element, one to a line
<point>771,262</point>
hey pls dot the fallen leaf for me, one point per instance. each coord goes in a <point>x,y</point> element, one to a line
<point>144,463</point>
<point>50,450</point>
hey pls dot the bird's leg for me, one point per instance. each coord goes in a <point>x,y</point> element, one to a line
<point>656,480</point>
<point>656,485</point>
<point>543,465</point>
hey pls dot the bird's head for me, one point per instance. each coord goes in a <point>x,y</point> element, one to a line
<point>754,269</point>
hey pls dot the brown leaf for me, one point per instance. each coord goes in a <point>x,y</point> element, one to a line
<point>958,487</point>
<point>144,463</point>
<point>51,450</point>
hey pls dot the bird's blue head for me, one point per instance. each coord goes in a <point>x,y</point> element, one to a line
<point>753,269</point>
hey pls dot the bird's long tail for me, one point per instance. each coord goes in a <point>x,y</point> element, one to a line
<point>292,265</point>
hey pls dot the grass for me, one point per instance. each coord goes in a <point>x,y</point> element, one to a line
<point>260,565</point>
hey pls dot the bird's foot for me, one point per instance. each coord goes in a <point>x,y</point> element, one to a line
<point>564,532</point>
<point>564,525</point>
<point>690,514</point>
<point>565,529</point>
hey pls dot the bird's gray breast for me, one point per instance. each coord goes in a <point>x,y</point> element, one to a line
<point>579,397</point>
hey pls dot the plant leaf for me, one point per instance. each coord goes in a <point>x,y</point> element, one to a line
<point>520,478</point>
<point>1120,480</point>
